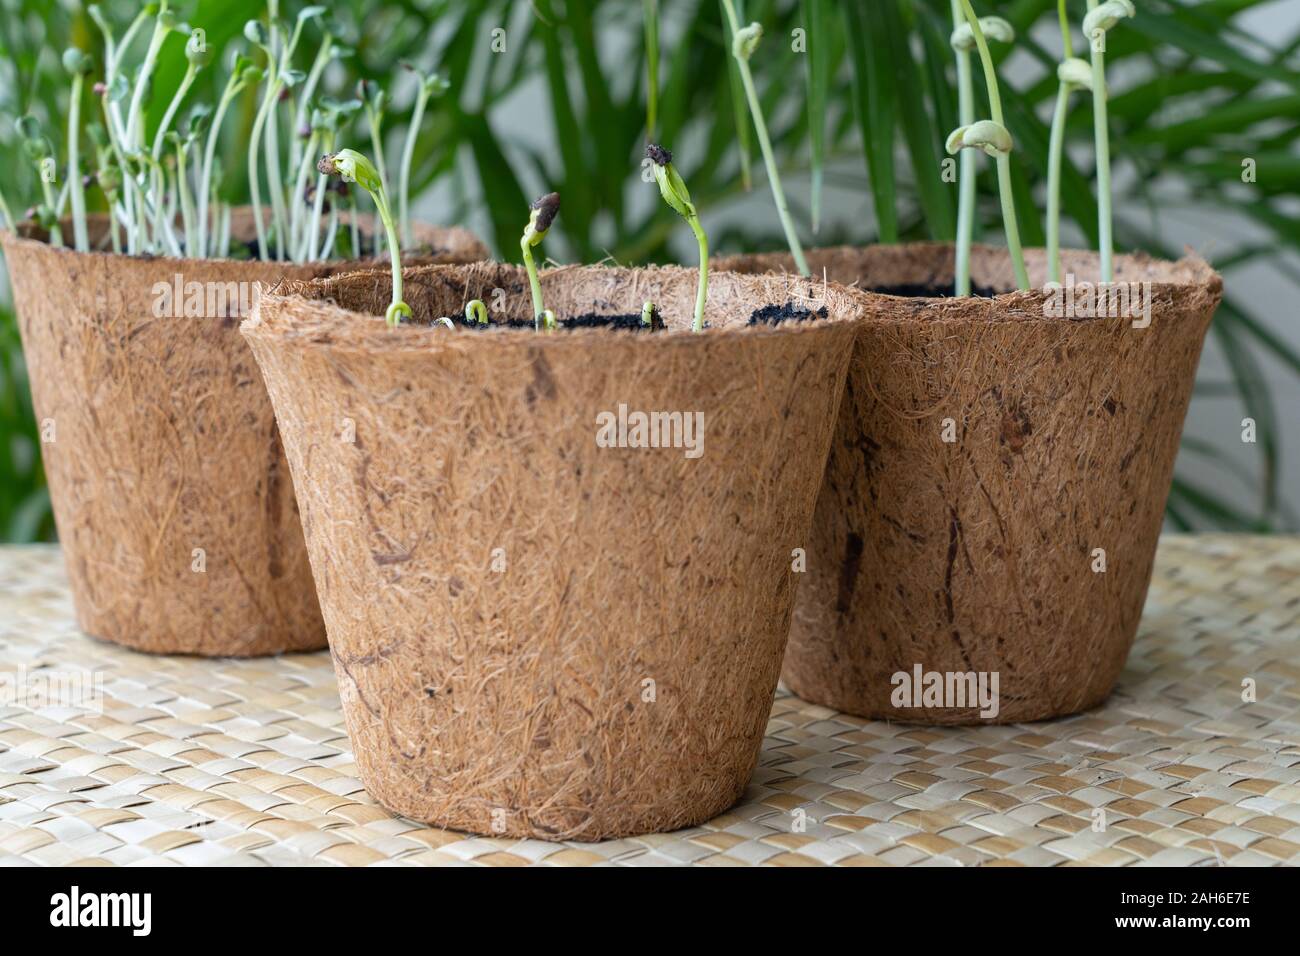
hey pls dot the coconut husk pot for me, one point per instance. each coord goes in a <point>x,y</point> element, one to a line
<point>169,487</point>
<point>996,483</point>
<point>536,634</point>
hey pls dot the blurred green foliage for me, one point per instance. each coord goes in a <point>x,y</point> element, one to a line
<point>1193,92</point>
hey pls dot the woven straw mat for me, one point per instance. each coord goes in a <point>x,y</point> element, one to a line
<point>246,761</point>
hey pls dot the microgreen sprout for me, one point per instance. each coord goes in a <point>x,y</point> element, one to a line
<point>543,212</point>
<point>992,137</point>
<point>77,64</point>
<point>650,317</point>
<point>356,168</point>
<point>1072,74</point>
<point>375,102</point>
<point>675,193</point>
<point>1096,23</point>
<point>430,86</point>
<point>476,311</point>
<point>40,151</point>
<point>744,41</point>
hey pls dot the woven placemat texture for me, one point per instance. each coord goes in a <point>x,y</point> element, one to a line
<point>246,761</point>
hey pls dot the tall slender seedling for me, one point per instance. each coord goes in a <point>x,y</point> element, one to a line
<point>992,137</point>
<point>1097,22</point>
<point>744,41</point>
<point>1073,73</point>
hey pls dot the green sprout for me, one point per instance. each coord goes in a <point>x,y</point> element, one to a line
<point>650,317</point>
<point>78,65</point>
<point>430,86</point>
<point>1072,74</point>
<point>1097,22</point>
<point>40,151</point>
<point>476,311</point>
<point>963,42</point>
<point>375,101</point>
<point>242,76</point>
<point>543,213</point>
<point>673,188</point>
<point>355,168</point>
<point>992,137</point>
<point>744,41</point>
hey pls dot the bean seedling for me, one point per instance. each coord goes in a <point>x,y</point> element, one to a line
<point>675,193</point>
<point>542,214</point>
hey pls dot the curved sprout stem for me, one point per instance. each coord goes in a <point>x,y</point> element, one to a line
<point>765,144</point>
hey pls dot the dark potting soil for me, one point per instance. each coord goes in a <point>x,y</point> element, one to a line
<point>776,314</point>
<point>921,290</point>
<point>631,322</point>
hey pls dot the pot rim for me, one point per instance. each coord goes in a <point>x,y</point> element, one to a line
<point>26,236</point>
<point>1013,305</point>
<point>321,322</point>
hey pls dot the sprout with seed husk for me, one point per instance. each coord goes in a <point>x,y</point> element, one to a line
<point>675,193</point>
<point>544,211</point>
<point>1096,23</point>
<point>355,168</point>
<point>744,41</point>
<point>963,41</point>
<point>993,138</point>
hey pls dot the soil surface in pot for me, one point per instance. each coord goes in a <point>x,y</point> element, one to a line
<point>773,314</point>
<point>919,290</point>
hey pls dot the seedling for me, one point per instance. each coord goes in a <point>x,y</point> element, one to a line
<point>1072,74</point>
<point>1096,24</point>
<point>544,210</point>
<point>355,168</point>
<point>650,317</point>
<point>993,138</point>
<point>675,193</point>
<point>744,41</point>
<point>41,152</point>
<point>175,175</point>
<point>431,85</point>
<point>963,41</point>
<point>78,66</point>
<point>476,311</point>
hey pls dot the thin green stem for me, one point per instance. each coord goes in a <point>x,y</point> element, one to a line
<point>303,241</point>
<point>1063,18</point>
<point>1003,161</point>
<point>765,144</point>
<point>187,205</point>
<point>254,144</point>
<point>209,156</point>
<point>74,166</point>
<point>534,285</point>
<point>375,122</point>
<point>186,81</point>
<point>408,155</point>
<point>1101,133</point>
<point>135,114</point>
<point>702,291</point>
<point>966,180</point>
<point>1055,150</point>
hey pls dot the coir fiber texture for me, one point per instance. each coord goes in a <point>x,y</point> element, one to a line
<point>170,489</point>
<point>989,461</point>
<point>536,634</point>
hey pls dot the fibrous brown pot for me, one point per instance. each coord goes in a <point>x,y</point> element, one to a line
<point>536,635</point>
<point>170,490</point>
<point>985,457</point>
